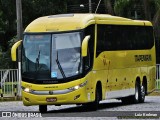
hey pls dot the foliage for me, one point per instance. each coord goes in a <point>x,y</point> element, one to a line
<point>121,6</point>
<point>8,14</point>
<point>108,6</point>
<point>1,22</point>
<point>5,57</point>
<point>32,9</point>
<point>149,10</point>
<point>156,19</point>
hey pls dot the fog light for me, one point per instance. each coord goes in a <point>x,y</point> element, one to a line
<point>76,97</point>
<point>27,99</point>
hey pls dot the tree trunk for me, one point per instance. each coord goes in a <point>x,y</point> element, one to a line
<point>156,23</point>
<point>108,7</point>
<point>147,10</point>
<point>156,18</point>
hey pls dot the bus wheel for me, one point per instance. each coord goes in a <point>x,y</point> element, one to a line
<point>93,106</point>
<point>136,98</point>
<point>97,99</point>
<point>42,108</point>
<point>137,95</point>
<point>142,96</point>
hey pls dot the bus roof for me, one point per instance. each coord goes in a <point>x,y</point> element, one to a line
<point>68,22</point>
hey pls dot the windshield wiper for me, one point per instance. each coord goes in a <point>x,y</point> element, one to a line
<point>37,60</point>
<point>60,67</point>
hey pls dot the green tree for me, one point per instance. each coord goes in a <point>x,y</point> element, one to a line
<point>32,9</point>
<point>156,18</point>
<point>108,6</point>
<point>149,8</point>
<point>7,21</point>
<point>129,8</point>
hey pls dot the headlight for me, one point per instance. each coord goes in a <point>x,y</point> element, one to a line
<point>27,90</point>
<point>78,86</point>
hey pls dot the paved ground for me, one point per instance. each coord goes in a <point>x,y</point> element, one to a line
<point>107,110</point>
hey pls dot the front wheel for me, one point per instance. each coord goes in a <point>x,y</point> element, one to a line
<point>97,100</point>
<point>94,105</point>
<point>42,108</point>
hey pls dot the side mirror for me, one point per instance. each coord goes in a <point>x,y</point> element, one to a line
<point>85,46</point>
<point>14,49</point>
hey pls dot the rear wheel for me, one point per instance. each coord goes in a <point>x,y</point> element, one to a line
<point>137,95</point>
<point>143,94</point>
<point>134,98</point>
<point>42,108</point>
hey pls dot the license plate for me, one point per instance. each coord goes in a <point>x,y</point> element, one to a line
<point>51,99</point>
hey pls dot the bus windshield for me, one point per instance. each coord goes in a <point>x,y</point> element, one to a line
<point>66,60</point>
<point>51,56</point>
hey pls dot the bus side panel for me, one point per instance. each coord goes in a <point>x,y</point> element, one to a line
<point>119,70</point>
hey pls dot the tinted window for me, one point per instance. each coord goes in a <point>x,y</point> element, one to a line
<point>118,37</point>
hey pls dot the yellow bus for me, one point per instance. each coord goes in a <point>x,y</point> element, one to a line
<point>86,58</point>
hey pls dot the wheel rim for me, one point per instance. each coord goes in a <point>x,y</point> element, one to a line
<point>143,91</point>
<point>136,93</point>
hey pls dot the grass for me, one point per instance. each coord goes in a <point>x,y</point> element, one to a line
<point>8,94</point>
<point>8,87</point>
<point>155,93</point>
<point>5,99</point>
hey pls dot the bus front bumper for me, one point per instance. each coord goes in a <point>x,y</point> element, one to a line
<point>74,97</point>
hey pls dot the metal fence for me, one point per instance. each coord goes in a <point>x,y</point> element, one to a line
<point>10,83</point>
<point>158,77</point>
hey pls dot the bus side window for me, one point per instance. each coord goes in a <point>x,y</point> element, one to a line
<point>110,38</point>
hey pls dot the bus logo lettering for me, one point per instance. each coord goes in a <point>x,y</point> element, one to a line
<point>142,58</point>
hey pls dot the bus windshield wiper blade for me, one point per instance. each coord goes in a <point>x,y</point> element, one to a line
<point>60,67</point>
<point>37,60</point>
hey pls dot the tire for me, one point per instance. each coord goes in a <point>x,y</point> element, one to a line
<point>97,100</point>
<point>93,106</point>
<point>142,94</point>
<point>137,95</point>
<point>42,108</point>
<point>134,98</point>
